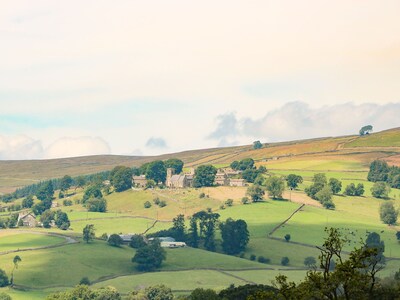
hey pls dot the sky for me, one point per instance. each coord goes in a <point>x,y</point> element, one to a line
<point>150,77</point>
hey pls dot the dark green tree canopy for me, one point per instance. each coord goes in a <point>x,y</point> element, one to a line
<point>96,205</point>
<point>204,176</point>
<point>175,164</point>
<point>257,145</point>
<point>66,182</point>
<point>293,181</point>
<point>88,233</point>
<point>235,236</point>
<point>149,257</point>
<point>156,171</point>
<point>275,187</point>
<point>366,130</point>
<point>121,178</point>
<point>115,240</point>
<point>388,213</point>
<point>92,191</point>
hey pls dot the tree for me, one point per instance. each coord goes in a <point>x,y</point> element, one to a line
<point>324,196</point>
<point>61,220</point>
<point>250,175</point>
<point>193,238</point>
<point>285,261</point>
<point>65,183</point>
<point>380,190</point>
<point>378,171</point>
<point>88,233</point>
<point>204,176</point>
<point>247,163</point>
<point>350,190</point>
<point>4,296</point>
<point>335,185</point>
<point>92,191</point>
<point>287,237</point>
<point>84,281</point>
<point>46,191</point>
<point>275,187</point>
<point>235,236</point>
<point>388,213</point>
<point>179,227</point>
<point>137,241</point>
<point>17,259</point>
<point>255,192</point>
<point>158,292</point>
<point>27,202</point>
<point>80,182</point>
<point>97,205</point>
<point>374,241</point>
<point>293,181</point>
<point>257,145</point>
<point>149,257</point>
<point>319,182</point>
<point>156,171</point>
<point>201,294</point>
<point>175,164</point>
<point>366,130</point>
<point>310,261</point>
<point>47,217</point>
<point>3,278</point>
<point>83,291</point>
<point>121,178</point>
<point>359,191</point>
<point>115,240</point>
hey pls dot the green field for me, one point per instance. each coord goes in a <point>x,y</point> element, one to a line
<point>18,241</point>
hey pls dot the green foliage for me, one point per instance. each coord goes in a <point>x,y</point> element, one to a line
<point>158,292</point>
<point>235,236</point>
<point>46,218</point>
<point>175,164</point>
<point>378,171</point>
<point>319,182</point>
<point>229,202</point>
<point>285,261</point>
<point>115,240</point>
<point>275,187</point>
<point>27,202</point>
<point>263,260</point>
<point>149,257</point>
<point>4,296</point>
<point>156,171</point>
<point>61,220</point>
<point>121,178</point>
<point>84,281</point>
<point>137,241</point>
<point>201,294</point>
<point>204,175</point>
<point>193,235</point>
<point>39,208</point>
<point>207,222</point>
<point>255,192</point>
<point>388,213</point>
<point>247,163</point>
<point>66,183</point>
<point>92,191</point>
<point>253,257</point>
<point>3,278</point>
<point>46,191</point>
<point>249,292</point>
<point>85,293</point>
<point>380,190</point>
<point>96,205</point>
<point>310,261</point>
<point>245,200</point>
<point>324,196</point>
<point>257,145</point>
<point>179,227</point>
<point>293,181</point>
<point>250,175</point>
<point>147,204</point>
<point>287,237</point>
<point>335,185</point>
<point>202,195</point>
<point>88,233</point>
<point>366,130</point>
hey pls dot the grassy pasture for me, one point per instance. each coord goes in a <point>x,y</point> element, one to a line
<point>19,240</point>
<point>388,138</point>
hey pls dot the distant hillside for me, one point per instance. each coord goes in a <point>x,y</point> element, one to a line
<point>384,144</point>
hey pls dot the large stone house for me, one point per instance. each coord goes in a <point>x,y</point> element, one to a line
<point>139,181</point>
<point>179,181</point>
<point>27,219</point>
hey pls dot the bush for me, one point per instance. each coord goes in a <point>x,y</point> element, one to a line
<point>67,203</point>
<point>137,242</point>
<point>4,296</point>
<point>253,257</point>
<point>241,255</point>
<point>222,207</point>
<point>115,240</point>
<point>147,204</point>
<point>245,200</point>
<point>263,260</point>
<point>156,201</point>
<point>96,205</point>
<point>380,190</point>
<point>202,195</point>
<point>285,261</point>
<point>287,237</point>
<point>310,261</point>
<point>3,278</point>
<point>84,281</point>
<point>162,203</point>
<point>229,202</point>
<point>104,237</point>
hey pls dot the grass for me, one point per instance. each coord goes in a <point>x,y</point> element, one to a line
<point>388,138</point>
<point>11,241</point>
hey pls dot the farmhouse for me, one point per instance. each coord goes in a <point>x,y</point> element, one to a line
<point>237,182</point>
<point>139,181</point>
<point>27,219</point>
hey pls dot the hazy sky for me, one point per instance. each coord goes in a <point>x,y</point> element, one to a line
<point>148,77</point>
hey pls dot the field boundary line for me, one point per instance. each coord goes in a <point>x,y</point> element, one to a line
<point>285,221</point>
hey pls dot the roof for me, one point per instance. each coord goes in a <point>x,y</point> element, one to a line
<point>140,177</point>
<point>23,215</point>
<point>178,178</point>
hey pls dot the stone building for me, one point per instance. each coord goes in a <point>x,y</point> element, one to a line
<point>178,181</point>
<point>139,181</point>
<point>27,219</point>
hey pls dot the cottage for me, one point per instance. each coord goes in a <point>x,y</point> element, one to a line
<point>27,219</point>
<point>237,182</point>
<point>221,178</point>
<point>139,181</point>
<point>178,180</point>
<point>126,238</point>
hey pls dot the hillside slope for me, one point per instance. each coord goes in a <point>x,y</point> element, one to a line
<point>385,144</point>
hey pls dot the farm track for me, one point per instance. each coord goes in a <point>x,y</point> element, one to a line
<point>68,240</point>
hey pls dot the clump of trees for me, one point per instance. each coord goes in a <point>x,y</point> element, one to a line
<point>235,236</point>
<point>293,181</point>
<point>320,190</point>
<point>59,218</point>
<point>83,291</point>
<point>380,190</point>
<point>150,256</point>
<point>88,233</point>
<point>204,176</point>
<point>257,145</point>
<point>249,171</point>
<point>121,178</point>
<point>275,187</point>
<point>379,170</point>
<point>353,190</point>
<point>255,192</point>
<point>115,240</point>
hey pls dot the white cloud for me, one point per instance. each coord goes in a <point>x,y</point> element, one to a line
<point>80,146</point>
<point>156,142</point>
<point>297,120</point>
<point>20,147</point>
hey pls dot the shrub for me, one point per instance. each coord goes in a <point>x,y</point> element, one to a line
<point>4,296</point>
<point>162,203</point>
<point>67,202</point>
<point>115,240</point>
<point>241,255</point>
<point>202,195</point>
<point>137,242</point>
<point>263,260</point>
<point>285,261</point>
<point>245,200</point>
<point>96,205</point>
<point>380,190</point>
<point>287,237</point>
<point>84,281</point>
<point>3,278</point>
<point>156,201</point>
<point>222,207</point>
<point>147,204</point>
<point>229,202</point>
<point>310,261</point>
<point>104,237</point>
<point>253,257</point>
